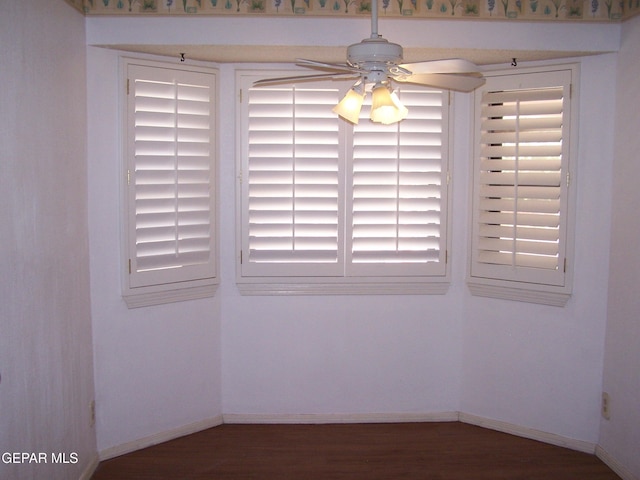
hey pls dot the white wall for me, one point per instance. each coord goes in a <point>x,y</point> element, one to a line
<point>620,436</point>
<point>45,326</point>
<point>539,367</point>
<point>157,368</point>
<point>334,355</point>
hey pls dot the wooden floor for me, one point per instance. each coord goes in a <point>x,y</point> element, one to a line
<point>425,451</point>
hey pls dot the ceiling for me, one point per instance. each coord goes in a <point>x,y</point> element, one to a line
<point>288,54</point>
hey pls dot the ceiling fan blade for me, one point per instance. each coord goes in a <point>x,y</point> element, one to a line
<point>304,78</point>
<point>328,66</point>
<point>452,65</point>
<point>459,83</point>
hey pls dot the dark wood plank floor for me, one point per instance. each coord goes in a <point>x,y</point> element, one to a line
<point>425,451</point>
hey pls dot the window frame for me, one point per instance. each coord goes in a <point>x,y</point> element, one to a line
<point>181,284</point>
<point>330,283</point>
<point>521,286</point>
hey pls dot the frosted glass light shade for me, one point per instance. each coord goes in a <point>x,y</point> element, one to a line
<point>386,107</point>
<point>402,110</point>
<point>349,107</point>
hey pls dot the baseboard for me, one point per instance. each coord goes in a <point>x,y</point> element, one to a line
<point>340,418</point>
<point>89,470</point>
<point>530,433</point>
<point>614,465</point>
<point>159,438</point>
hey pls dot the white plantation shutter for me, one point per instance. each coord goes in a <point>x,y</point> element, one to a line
<point>521,179</point>
<point>325,204</point>
<point>170,147</point>
<point>292,181</point>
<point>397,189</point>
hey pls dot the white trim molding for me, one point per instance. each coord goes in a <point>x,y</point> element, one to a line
<point>160,437</point>
<point>90,469</point>
<point>554,299</point>
<point>313,418</point>
<point>328,288</point>
<point>530,433</point>
<point>611,462</point>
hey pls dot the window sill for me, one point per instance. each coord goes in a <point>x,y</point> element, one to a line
<point>379,288</point>
<point>529,295</point>
<point>149,298</point>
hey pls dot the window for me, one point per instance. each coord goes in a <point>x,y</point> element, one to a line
<point>521,191</point>
<point>170,163</point>
<point>329,207</point>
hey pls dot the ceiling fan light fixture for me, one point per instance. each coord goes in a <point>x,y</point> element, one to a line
<point>385,106</point>
<point>372,50</point>
<point>350,106</point>
<point>378,62</point>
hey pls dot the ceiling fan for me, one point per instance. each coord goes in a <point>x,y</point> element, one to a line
<point>377,62</point>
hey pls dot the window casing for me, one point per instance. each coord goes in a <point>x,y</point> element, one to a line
<point>329,207</point>
<point>169,171</point>
<point>521,242</point>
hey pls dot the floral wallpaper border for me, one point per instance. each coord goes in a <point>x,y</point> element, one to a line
<point>549,10</point>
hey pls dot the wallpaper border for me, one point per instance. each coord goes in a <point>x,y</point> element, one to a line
<point>511,10</point>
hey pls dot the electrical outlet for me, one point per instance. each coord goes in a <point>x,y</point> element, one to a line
<point>92,410</point>
<point>606,405</point>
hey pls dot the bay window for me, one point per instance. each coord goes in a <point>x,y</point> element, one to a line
<point>331,207</point>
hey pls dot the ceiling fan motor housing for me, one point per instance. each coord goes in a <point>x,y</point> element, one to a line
<point>372,51</point>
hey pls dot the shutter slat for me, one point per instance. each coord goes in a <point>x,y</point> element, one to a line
<point>525,233</point>
<point>523,95</point>
<point>552,178</point>
<point>547,164</point>
<point>406,256</point>
<point>268,255</point>
<point>524,219</point>
<point>523,107</point>
<point>520,246</point>
<point>552,135</point>
<point>523,124</point>
<point>522,150</point>
<point>510,191</point>
<point>519,260</point>
<point>522,205</point>
<point>160,261</point>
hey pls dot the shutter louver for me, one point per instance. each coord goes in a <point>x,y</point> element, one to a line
<point>171,175</point>
<point>293,176</point>
<point>520,185</point>
<point>397,183</point>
